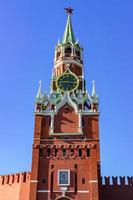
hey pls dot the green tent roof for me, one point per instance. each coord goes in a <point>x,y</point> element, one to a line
<point>68,34</point>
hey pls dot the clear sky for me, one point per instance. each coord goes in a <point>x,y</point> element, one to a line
<point>29,31</point>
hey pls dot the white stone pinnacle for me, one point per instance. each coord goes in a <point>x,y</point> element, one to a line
<point>39,93</point>
<point>93,89</point>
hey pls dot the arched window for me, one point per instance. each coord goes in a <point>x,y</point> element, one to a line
<point>77,52</point>
<point>48,152</point>
<point>80,152</point>
<point>72,152</point>
<point>68,50</point>
<point>64,152</point>
<point>56,152</point>
<point>88,152</point>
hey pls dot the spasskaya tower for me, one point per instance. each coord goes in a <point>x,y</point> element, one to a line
<point>66,156</point>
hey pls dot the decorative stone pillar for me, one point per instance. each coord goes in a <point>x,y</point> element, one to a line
<point>80,122</point>
<point>52,123</point>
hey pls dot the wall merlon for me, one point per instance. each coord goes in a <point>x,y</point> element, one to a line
<point>117,181</point>
<point>14,178</point>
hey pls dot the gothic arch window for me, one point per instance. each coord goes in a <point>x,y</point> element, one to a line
<point>72,152</point>
<point>68,50</point>
<point>80,152</point>
<point>48,152</point>
<point>88,152</point>
<point>77,52</point>
<point>64,152</point>
<point>56,152</point>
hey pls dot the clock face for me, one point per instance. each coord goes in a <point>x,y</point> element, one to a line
<point>67,82</point>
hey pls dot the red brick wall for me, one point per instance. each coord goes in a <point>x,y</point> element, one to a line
<point>15,186</point>
<point>66,121</point>
<point>116,188</point>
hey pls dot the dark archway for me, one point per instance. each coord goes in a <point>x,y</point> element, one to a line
<point>63,198</point>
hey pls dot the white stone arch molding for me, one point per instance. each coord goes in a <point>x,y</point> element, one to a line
<point>66,100</point>
<point>68,45</point>
<point>61,198</point>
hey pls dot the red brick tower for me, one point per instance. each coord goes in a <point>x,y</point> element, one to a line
<point>66,157</point>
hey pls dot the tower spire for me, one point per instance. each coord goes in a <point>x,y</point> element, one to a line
<point>68,34</point>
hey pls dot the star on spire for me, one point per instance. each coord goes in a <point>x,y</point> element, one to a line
<point>69,10</point>
<point>68,34</point>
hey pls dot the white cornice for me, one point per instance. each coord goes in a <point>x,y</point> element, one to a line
<point>70,134</point>
<point>82,113</point>
<point>67,62</point>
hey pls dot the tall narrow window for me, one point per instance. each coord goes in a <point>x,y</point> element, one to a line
<point>64,152</point>
<point>80,152</point>
<point>56,153</point>
<point>40,153</point>
<point>78,53</point>
<point>88,152</point>
<point>48,152</point>
<point>83,180</point>
<point>72,152</point>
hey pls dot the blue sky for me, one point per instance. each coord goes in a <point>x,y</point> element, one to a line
<point>29,31</point>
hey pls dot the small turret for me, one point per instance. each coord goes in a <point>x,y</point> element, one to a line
<point>39,98</point>
<point>93,89</point>
<point>94,98</point>
<point>39,93</point>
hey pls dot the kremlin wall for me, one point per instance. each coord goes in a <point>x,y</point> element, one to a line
<point>17,187</point>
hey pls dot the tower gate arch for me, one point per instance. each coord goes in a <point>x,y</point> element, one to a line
<point>63,198</point>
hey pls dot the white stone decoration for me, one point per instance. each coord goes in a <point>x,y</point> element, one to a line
<point>66,99</point>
